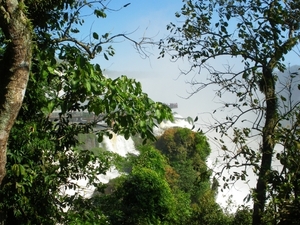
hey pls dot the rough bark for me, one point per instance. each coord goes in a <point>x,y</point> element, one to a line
<point>14,69</point>
<point>267,146</point>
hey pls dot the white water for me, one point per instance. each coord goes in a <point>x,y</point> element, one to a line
<point>178,122</point>
<point>118,144</point>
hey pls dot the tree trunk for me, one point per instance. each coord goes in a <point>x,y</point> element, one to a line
<point>14,69</point>
<point>260,193</point>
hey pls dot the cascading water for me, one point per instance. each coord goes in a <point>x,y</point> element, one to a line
<point>179,121</point>
<point>118,144</point>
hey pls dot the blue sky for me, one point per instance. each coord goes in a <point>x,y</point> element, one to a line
<point>159,77</point>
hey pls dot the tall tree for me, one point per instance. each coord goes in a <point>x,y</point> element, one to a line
<point>259,34</point>
<point>15,68</point>
<point>284,190</point>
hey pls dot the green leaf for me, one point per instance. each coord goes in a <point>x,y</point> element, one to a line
<point>158,113</point>
<point>99,49</point>
<point>282,98</point>
<point>16,169</point>
<point>99,13</point>
<point>22,170</point>
<point>223,29</point>
<point>95,36</point>
<point>88,86</point>
<point>66,16</point>
<point>105,56</point>
<point>74,30</point>
<point>50,69</point>
<point>105,35</point>
<point>100,138</point>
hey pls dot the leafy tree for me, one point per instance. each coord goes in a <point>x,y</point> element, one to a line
<point>141,197</point>
<point>207,211</point>
<point>15,66</point>
<point>189,177</point>
<point>187,152</point>
<point>284,189</point>
<point>39,44</point>
<point>243,216</point>
<point>259,34</point>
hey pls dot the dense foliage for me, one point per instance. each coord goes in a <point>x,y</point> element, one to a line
<point>187,152</point>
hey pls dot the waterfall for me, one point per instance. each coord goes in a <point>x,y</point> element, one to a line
<point>118,144</point>
<point>179,121</point>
